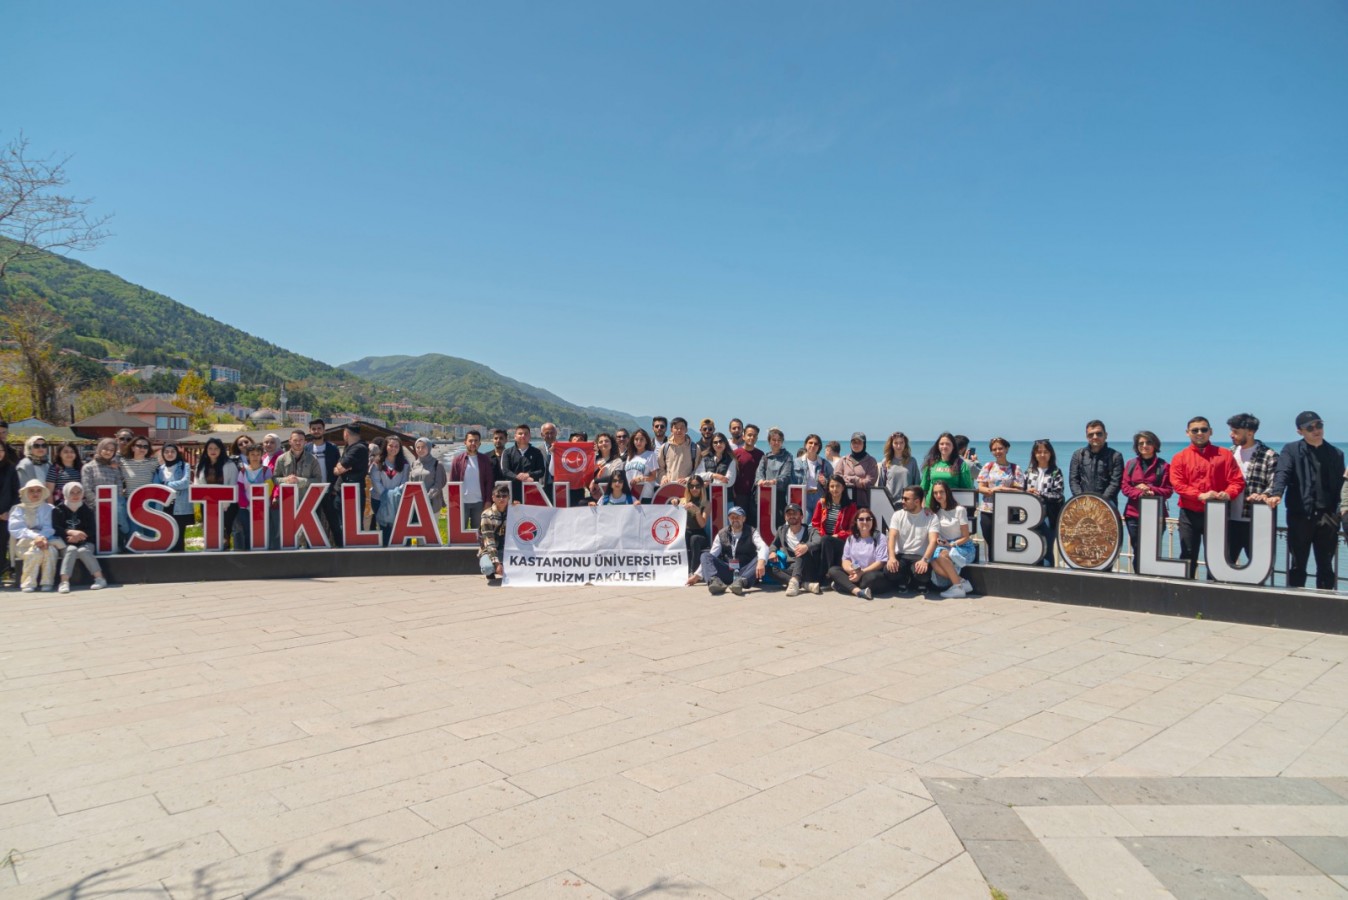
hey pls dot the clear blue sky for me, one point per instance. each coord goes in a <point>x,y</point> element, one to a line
<point>987,217</point>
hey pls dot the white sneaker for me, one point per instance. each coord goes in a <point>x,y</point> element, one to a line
<point>967,587</point>
<point>64,588</point>
<point>26,590</point>
<point>793,587</point>
<point>953,592</point>
<point>816,587</point>
<point>46,589</point>
<point>99,583</point>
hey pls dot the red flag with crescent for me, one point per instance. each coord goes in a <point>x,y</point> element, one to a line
<point>573,463</point>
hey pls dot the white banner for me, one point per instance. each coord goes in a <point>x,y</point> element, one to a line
<point>615,545</point>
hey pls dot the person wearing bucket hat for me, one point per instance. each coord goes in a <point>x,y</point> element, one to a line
<point>1310,480</point>
<point>30,526</point>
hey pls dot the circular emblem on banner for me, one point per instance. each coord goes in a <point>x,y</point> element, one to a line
<point>573,460</point>
<point>526,530</point>
<point>1088,532</point>
<point>665,530</point>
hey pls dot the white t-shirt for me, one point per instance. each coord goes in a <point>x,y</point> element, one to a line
<point>912,529</point>
<point>949,521</point>
<point>645,465</point>
<point>472,484</point>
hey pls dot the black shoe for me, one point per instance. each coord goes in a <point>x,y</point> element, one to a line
<point>716,586</point>
<point>737,587</point>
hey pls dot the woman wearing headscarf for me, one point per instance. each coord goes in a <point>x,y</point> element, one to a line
<point>30,523</point>
<point>105,468</point>
<point>859,471</point>
<point>430,472</point>
<point>175,474</point>
<point>36,460</point>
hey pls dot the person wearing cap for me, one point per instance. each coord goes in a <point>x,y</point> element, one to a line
<point>35,541</point>
<point>859,470</point>
<point>1310,479</point>
<point>73,522</point>
<point>797,545</point>
<point>1201,472</point>
<point>738,553</point>
<point>777,467</point>
<point>491,533</point>
<point>1258,462</point>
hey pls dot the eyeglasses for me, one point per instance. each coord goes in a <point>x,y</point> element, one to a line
<point>865,519</point>
<point>141,446</point>
<point>718,441</point>
<point>123,439</point>
<point>1095,434</point>
<point>39,446</point>
<point>1316,426</point>
<point>1199,430</point>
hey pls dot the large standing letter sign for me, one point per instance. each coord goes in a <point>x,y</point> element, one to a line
<point>1089,532</point>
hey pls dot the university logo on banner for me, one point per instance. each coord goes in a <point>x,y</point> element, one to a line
<point>573,463</point>
<point>617,545</point>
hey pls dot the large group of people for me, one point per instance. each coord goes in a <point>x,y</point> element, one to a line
<point>831,539</point>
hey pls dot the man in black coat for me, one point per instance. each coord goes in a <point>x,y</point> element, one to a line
<point>354,466</point>
<point>1310,475</point>
<point>523,464</point>
<point>327,455</point>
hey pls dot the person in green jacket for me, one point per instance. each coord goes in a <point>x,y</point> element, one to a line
<point>943,465</point>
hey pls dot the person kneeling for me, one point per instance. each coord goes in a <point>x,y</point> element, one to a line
<point>30,526</point>
<point>737,553</point>
<point>798,545</point>
<point>862,571</point>
<point>74,522</point>
<point>491,534</point>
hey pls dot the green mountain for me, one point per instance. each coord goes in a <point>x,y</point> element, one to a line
<point>111,317</point>
<point>491,397</point>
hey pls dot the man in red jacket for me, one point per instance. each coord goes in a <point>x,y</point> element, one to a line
<point>1199,473</point>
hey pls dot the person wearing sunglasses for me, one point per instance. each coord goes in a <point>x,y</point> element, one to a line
<point>1096,468</point>
<point>1310,478</point>
<point>36,460</point>
<point>1201,472</point>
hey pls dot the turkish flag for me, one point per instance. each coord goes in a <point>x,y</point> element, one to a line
<point>573,463</point>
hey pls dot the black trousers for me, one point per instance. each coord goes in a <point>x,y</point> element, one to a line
<point>749,502</point>
<point>696,540</point>
<point>830,553</point>
<point>879,581</point>
<point>801,568</point>
<point>1304,534</point>
<point>906,579</point>
<point>1238,538</point>
<point>1191,526</point>
<point>332,514</point>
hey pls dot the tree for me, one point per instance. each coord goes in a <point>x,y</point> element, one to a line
<point>34,214</point>
<point>34,326</point>
<point>193,397</point>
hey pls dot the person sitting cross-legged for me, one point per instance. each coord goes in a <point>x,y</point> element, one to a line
<point>737,553</point>
<point>797,544</point>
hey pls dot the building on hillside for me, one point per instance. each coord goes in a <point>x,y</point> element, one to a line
<point>108,423</point>
<point>417,426</point>
<point>300,418</point>
<point>267,418</point>
<point>55,434</point>
<point>225,373</point>
<point>167,422</point>
<point>115,366</point>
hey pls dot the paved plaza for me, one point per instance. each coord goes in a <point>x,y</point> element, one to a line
<point>435,737</point>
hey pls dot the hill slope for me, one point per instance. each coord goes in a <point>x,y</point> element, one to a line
<point>451,381</point>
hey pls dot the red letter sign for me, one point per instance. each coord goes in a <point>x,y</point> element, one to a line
<point>162,526</point>
<point>414,504</point>
<point>299,515</point>
<point>213,499</point>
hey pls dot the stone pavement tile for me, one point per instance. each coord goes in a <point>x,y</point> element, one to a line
<point>793,760</point>
<point>577,720</point>
<point>1236,820</point>
<point>1273,744</point>
<point>716,755</point>
<point>475,802</point>
<point>1084,751</point>
<point>1328,854</point>
<point>733,828</point>
<point>926,834</point>
<point>26,811</point>
<point>1336,785</point>
<point>1197,867</point>
<point>254,833</point>
<point>1074,821</point>
<point>1012,791</point>
<point>1324,758</point>
<point>957,878</point>
<point>48,831</point>
<point>1297,887</point>
<point>1103,869</point>
<point>1284,678</point>
<point>1022,869</point>
<point>870,869</point>
<point>75,870</point>
<point>1051,726</point>
<point>1021,703</point>
<point>570,772</point>
<point>567,884</point>
<point>1193,739</point>
<point>1209,791</point>
<point>989,755</point>
<point>844,712</point>
<point>937,739</point>
<point>986,822</point>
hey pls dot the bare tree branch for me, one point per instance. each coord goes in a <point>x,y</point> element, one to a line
<point>34,214</point>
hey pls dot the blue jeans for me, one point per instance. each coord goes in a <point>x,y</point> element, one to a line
<point>715,567</point>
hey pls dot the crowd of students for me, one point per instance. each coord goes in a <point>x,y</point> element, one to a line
<point>829,539</point>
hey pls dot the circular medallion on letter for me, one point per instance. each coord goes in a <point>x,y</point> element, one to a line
<point>526,530</point>
<point>573,460</point>
<point>1088,532</point>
